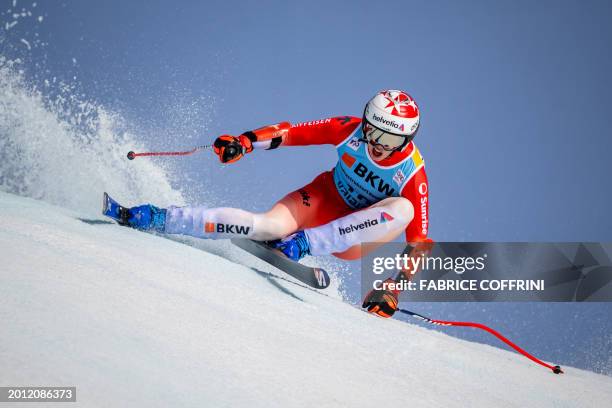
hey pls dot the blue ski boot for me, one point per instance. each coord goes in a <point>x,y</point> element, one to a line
<point>147,217</point>
<point>295,246</point>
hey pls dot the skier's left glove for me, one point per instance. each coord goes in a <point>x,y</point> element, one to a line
<point>381,302</point>
<point>231,148</point>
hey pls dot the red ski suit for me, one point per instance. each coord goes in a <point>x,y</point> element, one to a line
<point>320,202</point>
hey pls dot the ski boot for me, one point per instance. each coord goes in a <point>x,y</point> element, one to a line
<point>295,246</point>
<point>145,217</point>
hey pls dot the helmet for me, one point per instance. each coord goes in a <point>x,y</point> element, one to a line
<point>391,120</point>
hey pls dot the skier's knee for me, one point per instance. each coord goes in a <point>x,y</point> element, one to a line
<point>399,208</point>
<point>268,228</point>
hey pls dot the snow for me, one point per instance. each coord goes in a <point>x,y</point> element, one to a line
<point>135,319</point>
<point>26,43</point>
<point>43,141</point>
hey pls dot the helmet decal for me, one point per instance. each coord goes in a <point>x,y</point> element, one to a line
<point>401,104</point>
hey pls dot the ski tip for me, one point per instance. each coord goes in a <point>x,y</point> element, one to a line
<point>105,203</point>
<point>321,277</point>
<point>314,277</point>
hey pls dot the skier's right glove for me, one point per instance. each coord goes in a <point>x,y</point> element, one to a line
<point>231,148</point>
<point>381,302</point>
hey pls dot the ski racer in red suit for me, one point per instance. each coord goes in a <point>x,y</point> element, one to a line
<point>377,190</point>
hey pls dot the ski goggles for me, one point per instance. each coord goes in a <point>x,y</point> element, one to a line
<point>386,140</point>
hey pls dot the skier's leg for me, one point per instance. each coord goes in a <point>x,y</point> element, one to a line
<point>312,204</point>
<point>316,203</point>
<point>381,222</point>
<point>225,222</point>
<point>203,222</point>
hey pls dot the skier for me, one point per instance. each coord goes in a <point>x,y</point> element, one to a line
<point>377,190</point>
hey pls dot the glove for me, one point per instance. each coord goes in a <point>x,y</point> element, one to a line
<point>424,247</point>
<point>381,302</point>
<point>231,148</point>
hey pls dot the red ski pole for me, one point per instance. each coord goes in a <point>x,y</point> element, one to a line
<point>555,369</point>
<point>132,155</point>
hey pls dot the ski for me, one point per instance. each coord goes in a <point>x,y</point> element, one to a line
<point>114,210</point>
<point>313,277</point>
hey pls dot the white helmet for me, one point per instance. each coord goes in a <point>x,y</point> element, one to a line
<point>391,120</point>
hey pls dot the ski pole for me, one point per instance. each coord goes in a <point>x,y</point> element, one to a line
<point>132,155</point>
<point>555,369</point>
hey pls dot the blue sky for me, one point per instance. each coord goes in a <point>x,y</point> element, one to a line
<point>515,111</point>
<point>514,97</point>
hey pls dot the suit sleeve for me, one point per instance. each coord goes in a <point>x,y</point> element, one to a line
<point>317,132</point>
<point>325,131</point>
<point>416,190</point>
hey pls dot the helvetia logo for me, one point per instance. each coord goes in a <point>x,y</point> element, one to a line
<point>211,227</point>
<point>384,217</point>
<point>391,123</point>
<point>356,227</point>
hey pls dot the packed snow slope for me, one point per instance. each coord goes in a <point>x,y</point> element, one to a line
<point>134,319</point>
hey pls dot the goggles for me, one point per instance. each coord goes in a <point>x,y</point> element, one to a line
<point>388,141</point>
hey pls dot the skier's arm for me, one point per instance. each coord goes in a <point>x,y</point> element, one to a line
<point>317,132</point>
<point>231,148</point>
<point>268,137</point>
<point>324,131</point>
<point>384,302</point>
<point>416,190</point>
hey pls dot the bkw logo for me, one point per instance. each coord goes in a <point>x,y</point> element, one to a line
<point>211,227</point>
<point>368,175</point>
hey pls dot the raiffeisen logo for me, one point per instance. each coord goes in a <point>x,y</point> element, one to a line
<point>391,123</point>
<point>384,217</point>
